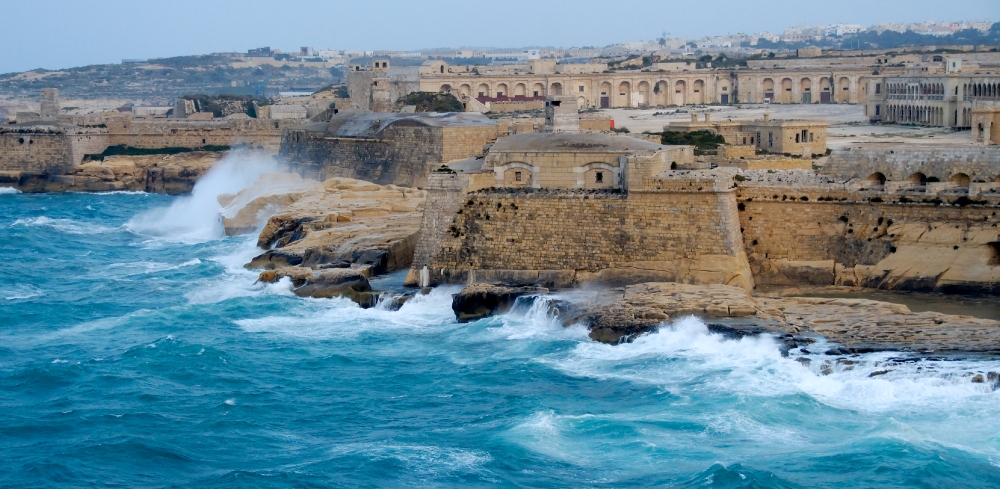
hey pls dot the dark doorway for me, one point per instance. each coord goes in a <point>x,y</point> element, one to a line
<point>725,98</point>
<point>605,102</point>
<point>824,97</point>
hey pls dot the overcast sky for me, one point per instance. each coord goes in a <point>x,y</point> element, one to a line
<point>57,34</point>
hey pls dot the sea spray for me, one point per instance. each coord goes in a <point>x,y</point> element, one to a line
<point>195,218</point>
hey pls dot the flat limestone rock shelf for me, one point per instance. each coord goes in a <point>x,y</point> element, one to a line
<point>332,224</point>
<point>620,315</point>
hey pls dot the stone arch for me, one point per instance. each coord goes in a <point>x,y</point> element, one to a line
<point>597,174</point>
<point>961,179</point>
<point>698,91</point>
<point>643,94</point>
<point>465,89</point>
<point>805,90</point>
<point>624,94</point>
<point>581,102</point>
<point>520,90</point>
<point>877,178</point>
<point>768,86</point>
<point>538,90</point>
<point>483,90</point>
<point>786,91</point>
<point>446,88</point>
<point>680,92</point>
<point>843,90</point>
<point>918,178</point>
<point>501,90</point>
<point>507,175</point>
<point>661,93</point>
<point>556,89</point>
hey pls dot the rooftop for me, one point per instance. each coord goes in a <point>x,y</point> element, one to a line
<point>371,124</point>
<point>569,142</point>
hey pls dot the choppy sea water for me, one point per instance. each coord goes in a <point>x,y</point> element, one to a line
<point>136,351</point>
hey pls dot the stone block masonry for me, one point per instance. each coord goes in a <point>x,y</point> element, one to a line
<point>568,237</point>
<point>401,155</point>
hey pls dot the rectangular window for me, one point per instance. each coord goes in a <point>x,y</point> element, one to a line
<point>581,88</point>
<point>517,176</point>
<point>758,137</point>
<point>725,89</point>
<point>499,94</point>
<point>481,94</point>
<point>878,88</point>
<point>878,110</point>
<point>751,141</point>
<point>805,133</point>
<point>536,93</point>
<point>770,140</point>
<point>744,141</point>
<point>600,177</point>
<point>810,137</point>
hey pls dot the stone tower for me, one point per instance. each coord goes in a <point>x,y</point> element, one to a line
<point>561,114</point>
<point>50,104</point>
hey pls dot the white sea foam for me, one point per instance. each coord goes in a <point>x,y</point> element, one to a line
<point>195,218</point>
<point>9,190</point>
<point>66,226</point>
<point>20,292</point>
<point>148,267</point>
<point>342,318</point>
<point>754,366</point>
<point>424,460</point>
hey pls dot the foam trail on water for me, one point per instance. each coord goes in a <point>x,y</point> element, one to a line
<point>195,218</point>
<point>9,190</point>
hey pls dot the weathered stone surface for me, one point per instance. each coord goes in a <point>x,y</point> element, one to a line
<point>478,301</point>
<point>330,224</point>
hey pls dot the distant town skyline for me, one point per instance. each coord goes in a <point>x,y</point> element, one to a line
<point>57,34</point>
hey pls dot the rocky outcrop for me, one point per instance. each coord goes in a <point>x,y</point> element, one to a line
<point>334,224</point>
<point>168,174</point>
<point>483,300</point>
<point>350,283</point>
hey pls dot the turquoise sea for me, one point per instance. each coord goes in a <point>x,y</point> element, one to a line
<point>135,351</point>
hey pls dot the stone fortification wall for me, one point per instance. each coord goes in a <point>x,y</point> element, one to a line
<point>828,234</point>
<point>265,134</point>
<point>41,153</point>
<point>404,155</point>
<point>566,237</point>
<point>900,163</point>
<point>87,144</point>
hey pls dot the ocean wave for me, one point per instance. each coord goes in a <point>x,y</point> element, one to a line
<point>686,359</point>
<point>152,267</point>
<point>9,190</point>
<point>426,460</point>
<point>20,292</point>
<point>67,226</point>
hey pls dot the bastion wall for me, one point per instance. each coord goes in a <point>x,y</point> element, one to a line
<point>570,237</point>
<point>403,155</point>
<point>827,236</point>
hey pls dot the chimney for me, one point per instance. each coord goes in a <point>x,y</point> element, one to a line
<point>708,117</point>
<point>694,117</point>
<point>767,117</point>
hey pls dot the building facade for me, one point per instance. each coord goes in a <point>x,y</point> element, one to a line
<point>941,95</point>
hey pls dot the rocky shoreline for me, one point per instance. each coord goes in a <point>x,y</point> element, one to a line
<point>618,315</point>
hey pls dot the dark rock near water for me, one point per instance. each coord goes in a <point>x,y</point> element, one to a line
<point>352,284</point>
<point>483,300</point>
<point>274,259</point>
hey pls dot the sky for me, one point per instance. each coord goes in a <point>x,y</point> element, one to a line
<point>55,34</point>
